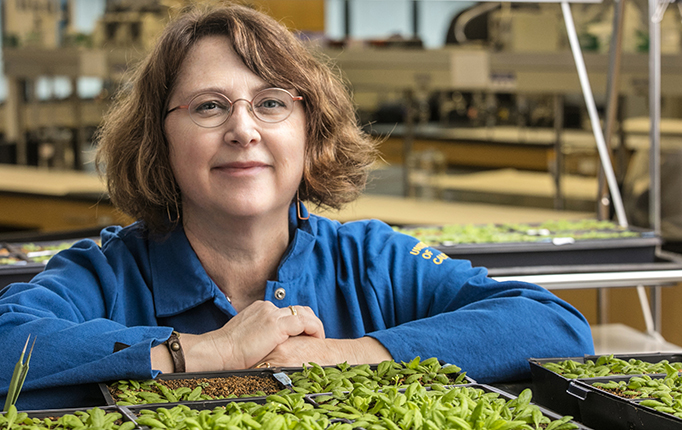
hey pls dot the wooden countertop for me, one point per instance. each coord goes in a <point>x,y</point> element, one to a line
<point>403,211</point>
<point>519,182</point>
<point>46,182</point>
<point>636,130</point>
<point>391,209</point>
<point>540,137</point>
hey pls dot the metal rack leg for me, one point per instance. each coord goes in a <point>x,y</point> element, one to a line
<point>408,143</point>
<point>648,317</point>
<point>656,307</point>
<point>558,166</point>
<point>602,306</point>
<point>654,118</point>
<point>594,116</point>
<point>603,199</point>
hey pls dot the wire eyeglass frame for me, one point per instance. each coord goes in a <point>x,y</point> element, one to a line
<point>223,107</point>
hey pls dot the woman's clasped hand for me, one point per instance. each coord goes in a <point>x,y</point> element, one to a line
<point>248,339</point>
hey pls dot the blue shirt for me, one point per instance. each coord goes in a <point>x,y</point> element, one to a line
<point>360,278</point>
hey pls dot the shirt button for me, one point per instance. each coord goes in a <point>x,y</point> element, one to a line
<point>280,293</point>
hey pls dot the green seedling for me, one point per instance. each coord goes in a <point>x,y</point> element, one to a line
<point>607,365</point>
<point>461,407</point>
<point>415,407</point>
<point>19,376</point>
<point>453,234</point>
<point>344,377</point>
<point>662,394</point>
<point>93,419</point>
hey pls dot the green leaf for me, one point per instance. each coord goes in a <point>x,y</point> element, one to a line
<point>554,425</point>
<point>414,363</point>
<point>18,376</point>
<point>525,398</point>
<point>458,422</point>
<point>477,413</point>
<point>194,394</point>
<point>450,368</point>
<point>10,416</point>
<point>383,367</point>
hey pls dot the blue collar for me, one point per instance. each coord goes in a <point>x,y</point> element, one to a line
<point>179,281</point>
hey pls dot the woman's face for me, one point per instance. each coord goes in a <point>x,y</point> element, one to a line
<point>244,167</point>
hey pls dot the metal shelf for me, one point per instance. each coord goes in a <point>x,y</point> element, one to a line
<point>567,281</point>
<point>667,272</point>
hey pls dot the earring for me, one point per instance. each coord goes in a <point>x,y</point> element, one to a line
<point>299,211</point>
<point>177,212</point>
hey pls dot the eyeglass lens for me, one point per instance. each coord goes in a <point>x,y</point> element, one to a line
<point>213,109</point>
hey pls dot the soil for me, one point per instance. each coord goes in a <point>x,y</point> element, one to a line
<point>221,387</point>
<point>618,393</point>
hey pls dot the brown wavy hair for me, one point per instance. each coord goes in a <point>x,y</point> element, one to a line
<point>134,153</point>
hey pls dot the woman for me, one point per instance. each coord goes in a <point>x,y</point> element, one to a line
<point>229,123</point>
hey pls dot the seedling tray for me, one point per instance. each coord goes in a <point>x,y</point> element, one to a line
<point>46,413</point>
<point>523,245</point>
<point>291,371</point>
<point>604,410</point>
<point>19,272</point>
<point>155,412</point>
<point>21,261</point>
<point>54,414</point>
<point>545,411</point>
<point>133,411</point>
<point>279,380</point>
<point>15,267</point>
<point>551,388</point>
<point>486,388</point>
<point>584,252</point>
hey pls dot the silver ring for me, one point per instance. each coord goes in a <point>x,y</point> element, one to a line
<point>293,310</point>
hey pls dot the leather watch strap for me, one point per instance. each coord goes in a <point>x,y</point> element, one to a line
<point>175,349</point>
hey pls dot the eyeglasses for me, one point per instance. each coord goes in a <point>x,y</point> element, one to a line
<point>213,109</point>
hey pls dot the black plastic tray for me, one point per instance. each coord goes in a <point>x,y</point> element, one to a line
<point>274,373</point>
<point>549,248</point>
<point>280,374</point>
<point>581,252</point>
<point>62,235</point>
<point>603,410</point>
<point>10,274</point>
<point>25,271</point>
<point>551,389</point>
<point>663,261</point>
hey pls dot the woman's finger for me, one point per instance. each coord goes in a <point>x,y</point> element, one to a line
<point>304,321</point>
<point>259,328</point>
